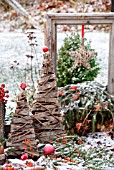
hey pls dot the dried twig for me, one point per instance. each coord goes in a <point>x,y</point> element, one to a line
<point>50,90</point>
<point>38,120</point>
<point>22,126</point>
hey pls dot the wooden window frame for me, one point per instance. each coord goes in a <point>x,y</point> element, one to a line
<point>54,19</point>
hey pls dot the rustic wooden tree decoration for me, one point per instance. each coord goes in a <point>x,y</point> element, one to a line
<point>22,130</point>
<point>82,57</point>
<point>46,108</point>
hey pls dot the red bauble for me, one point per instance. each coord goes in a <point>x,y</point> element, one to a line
<point>23,86</point>
<point>45,49</point>
<point>24,156</point>
<point>48,149</point>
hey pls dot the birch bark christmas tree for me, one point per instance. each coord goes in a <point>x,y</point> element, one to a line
<point>46,108</point>
<point>22,129</point>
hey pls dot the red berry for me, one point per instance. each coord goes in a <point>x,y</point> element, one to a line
<point>3,85</point>
<point>45,49</point>
<point>5,101</point>
<point>23,86</point>
<point>7,91</point>
<point>7,96</point>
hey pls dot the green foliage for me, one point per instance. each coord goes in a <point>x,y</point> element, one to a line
<point>2,141</point>
<point>87,107</point>
<point>65,74</point>
<point>83,151</point>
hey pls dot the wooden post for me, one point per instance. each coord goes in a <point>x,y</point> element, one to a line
<point>49,34</point>
<point>111,62</point>
<point>54,45</point>
<point>2,119</point>
<point>112,6</point>
<point>45,34</point>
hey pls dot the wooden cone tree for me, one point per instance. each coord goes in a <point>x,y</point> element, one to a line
<point>46,108</point>
<point>22,134</point>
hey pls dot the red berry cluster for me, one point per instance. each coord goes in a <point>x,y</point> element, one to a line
<point>3,94</point>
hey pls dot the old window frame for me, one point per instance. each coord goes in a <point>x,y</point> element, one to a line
<point>54,19</point>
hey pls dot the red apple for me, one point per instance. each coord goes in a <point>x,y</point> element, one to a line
<point>45,49</point>
<point>48,149</point>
